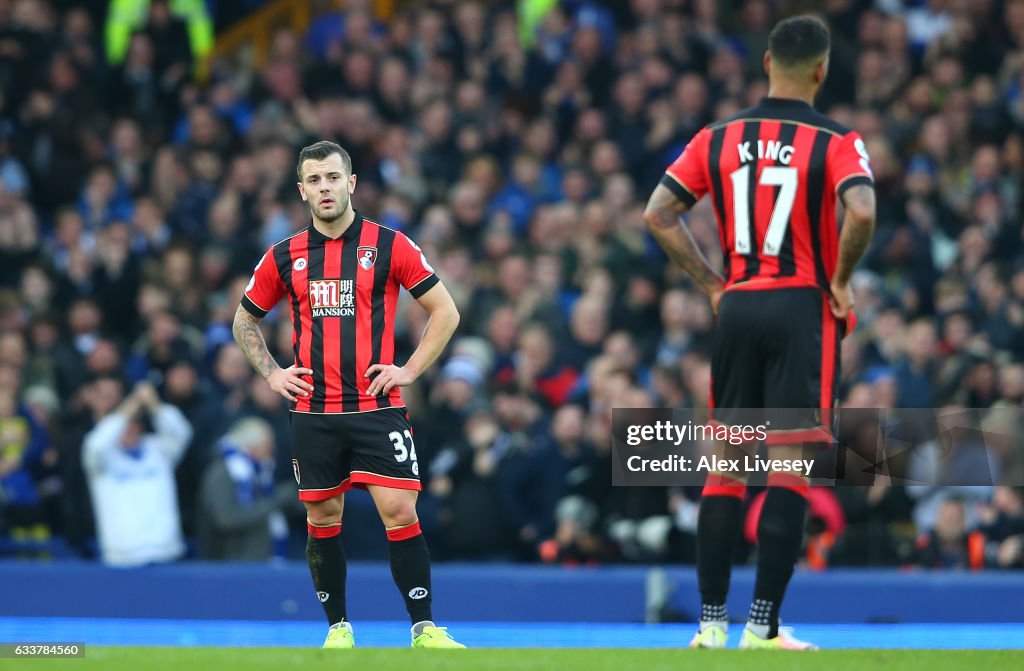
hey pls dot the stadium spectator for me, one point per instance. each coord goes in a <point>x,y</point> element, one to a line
<point>1002,524</point>
<point>126,18</point>
<point>22,443</point>
<point>241,508</point>
<point>130,469</point>
<point>951,544</point>
<point>464,478</point>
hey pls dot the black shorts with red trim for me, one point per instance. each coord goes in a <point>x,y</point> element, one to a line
<point>776,349</point>
<point>332,453</point>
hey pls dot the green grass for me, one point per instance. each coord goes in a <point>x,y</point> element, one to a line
<point>280,659</point>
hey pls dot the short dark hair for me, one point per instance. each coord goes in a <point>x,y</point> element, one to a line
<point>318,151</point>
<point>798,40</point>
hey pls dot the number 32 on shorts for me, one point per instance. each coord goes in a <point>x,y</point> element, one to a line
<point>403,453</point>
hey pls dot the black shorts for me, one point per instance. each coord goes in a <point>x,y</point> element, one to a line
<point>332,453</point>
<point>776,349</point>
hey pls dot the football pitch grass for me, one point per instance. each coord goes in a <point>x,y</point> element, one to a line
<point>395,634</point>
<point>611,659</point>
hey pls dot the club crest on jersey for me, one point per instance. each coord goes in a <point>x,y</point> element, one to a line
<point>367,257</point>
<point>295,469</point>
<point>331,298</point>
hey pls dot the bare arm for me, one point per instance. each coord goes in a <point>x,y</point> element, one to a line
<point>858,227</point>
<point>249,336</point>
<point>286,381</point>
<point>662,218</point>
<point>444,318</point>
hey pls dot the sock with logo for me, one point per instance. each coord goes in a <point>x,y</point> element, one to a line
<point>718,531</point>
<point>410,567</point>
<point>326,558</point>
<point>780,533</point>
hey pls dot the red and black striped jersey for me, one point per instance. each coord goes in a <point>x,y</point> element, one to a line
<point>343,295</point>
<point>774,173</point>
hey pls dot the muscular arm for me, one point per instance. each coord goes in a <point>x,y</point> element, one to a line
<point>662,218</point>
<point>444,318</point>
<point>249,336</point>
<point>858,227</point>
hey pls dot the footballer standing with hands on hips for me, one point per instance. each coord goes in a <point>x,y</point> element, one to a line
<point>341,277</point>
<point>774,173</point>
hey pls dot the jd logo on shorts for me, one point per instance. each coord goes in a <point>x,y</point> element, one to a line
<point>418,592</point>
<point>323,596</point>
<point>295,469</point>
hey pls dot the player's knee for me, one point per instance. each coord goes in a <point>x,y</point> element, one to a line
<point>323,512</point>
<point>399,514</point>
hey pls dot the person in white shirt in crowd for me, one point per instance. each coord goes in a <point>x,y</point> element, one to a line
<point>130,470</point>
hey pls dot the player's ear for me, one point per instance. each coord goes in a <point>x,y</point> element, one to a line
<point>351,184</point>
<point>302,191</point>
<point>767,60</point>
<point>821,71</point>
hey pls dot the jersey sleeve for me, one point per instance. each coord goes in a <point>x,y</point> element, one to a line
<point>687,178</point>
<point>849,164</point>
<point>410,267</point>
<point>265,288</point>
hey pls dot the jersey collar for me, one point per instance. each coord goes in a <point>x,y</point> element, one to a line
<point>351,232</point>
<point>783,102</point>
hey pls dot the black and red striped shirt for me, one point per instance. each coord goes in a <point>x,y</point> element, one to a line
<point>343,295</point>
<point>774,172</point>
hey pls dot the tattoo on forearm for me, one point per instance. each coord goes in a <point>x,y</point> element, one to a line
<point>857,229</point>
<point>663,212</point>
<point>249,337</point>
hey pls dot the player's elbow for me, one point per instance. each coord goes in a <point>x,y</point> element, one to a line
<point>862,223</point>
<point>859,202</point>
<point>658,219</point>
<point>236,323</point>
<point>241,321</point>
<point>861,216</point>
<point>445,317</point>
<point>652,219</point>
<point>453,317</point>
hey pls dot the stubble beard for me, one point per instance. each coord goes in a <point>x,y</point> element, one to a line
<point>341,204</point>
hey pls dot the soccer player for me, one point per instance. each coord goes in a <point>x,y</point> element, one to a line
<point>774,172</point>
<point>341,277</point>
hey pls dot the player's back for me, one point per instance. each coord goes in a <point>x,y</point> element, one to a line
<point>774,173</point>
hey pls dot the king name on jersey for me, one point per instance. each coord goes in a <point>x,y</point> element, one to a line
<point>772,150</point>
<point>331,298</point>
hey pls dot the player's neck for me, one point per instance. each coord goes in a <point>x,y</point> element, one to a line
<point>337,227</point>
<point>792,92</point>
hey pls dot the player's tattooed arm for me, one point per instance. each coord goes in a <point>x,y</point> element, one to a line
<point>249,336</point>
<point>858,227</point>
<point>662,218</point>
<point>288,382</point>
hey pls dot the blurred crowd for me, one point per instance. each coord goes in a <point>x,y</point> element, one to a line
<point>518,151</point>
